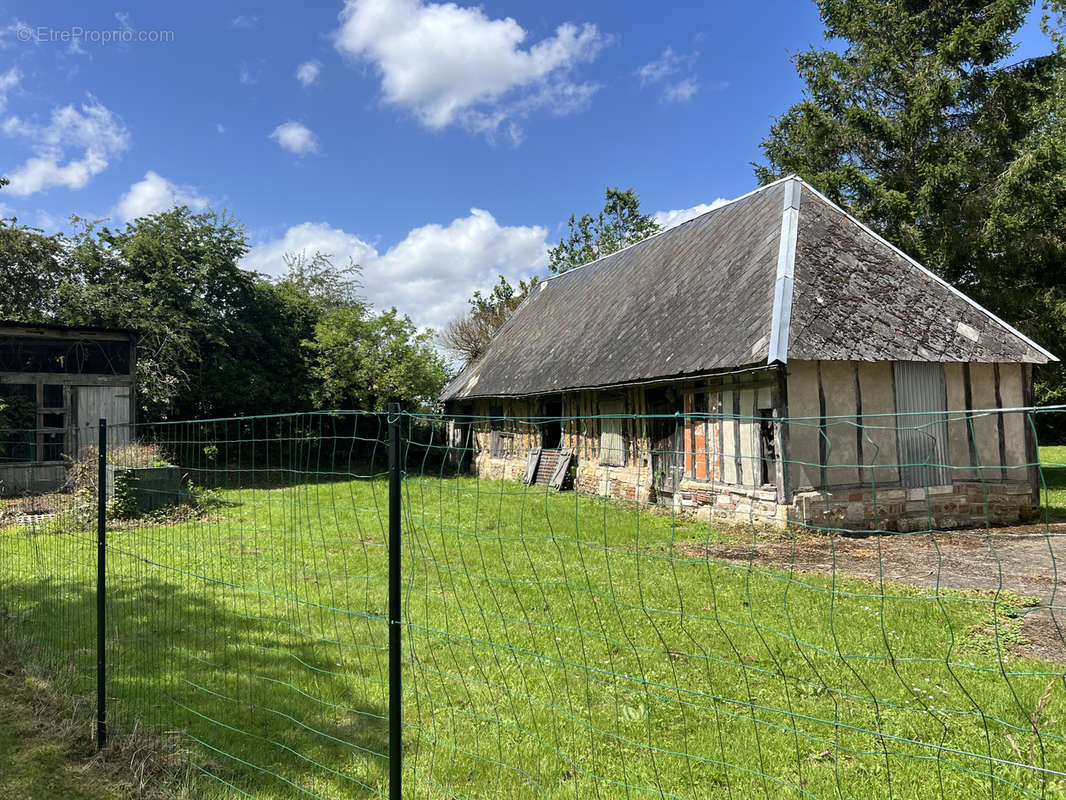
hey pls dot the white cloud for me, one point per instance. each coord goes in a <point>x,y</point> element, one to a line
<point>220,128</point>
<point>153,194</point>
<point>453,65</point>
<point>92,129</point>
<point>9,81</point>
<point>246,21</point>
<point>668,219</point>
<point>431,273</point>
<point>665,69</point>
<point>307,72</point>
<point>296,138</point>
<point>247,75</point>
<point>682,91</point>
<point>9,34</point>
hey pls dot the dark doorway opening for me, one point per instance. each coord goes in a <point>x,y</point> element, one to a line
<point>665,433</point>
<point>551,427</point>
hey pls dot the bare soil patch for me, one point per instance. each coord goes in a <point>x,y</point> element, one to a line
<point>1027,560</point>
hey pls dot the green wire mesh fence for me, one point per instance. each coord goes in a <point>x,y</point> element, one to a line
<point>687,605</point>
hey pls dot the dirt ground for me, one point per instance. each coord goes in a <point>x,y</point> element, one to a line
<point>1028,560</point>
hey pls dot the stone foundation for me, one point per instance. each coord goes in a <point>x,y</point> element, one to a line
<point>494,469</point>
<point>963,505</point>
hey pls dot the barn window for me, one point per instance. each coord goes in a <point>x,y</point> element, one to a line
<point>612,440</point>
<point>72,356</point>
<point>501,444</point>
<point>501,441</point>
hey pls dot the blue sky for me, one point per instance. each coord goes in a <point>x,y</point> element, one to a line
<point>436,145</point>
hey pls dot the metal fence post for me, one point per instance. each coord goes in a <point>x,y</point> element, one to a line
<point>395,663</point>
<point>101,590</point>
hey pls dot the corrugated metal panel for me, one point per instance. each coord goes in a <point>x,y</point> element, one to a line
<point>921,403</point>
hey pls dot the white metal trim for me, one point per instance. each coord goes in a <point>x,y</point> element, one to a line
<point>781,321</point>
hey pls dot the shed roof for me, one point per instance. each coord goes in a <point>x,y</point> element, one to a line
<point>779,273</point>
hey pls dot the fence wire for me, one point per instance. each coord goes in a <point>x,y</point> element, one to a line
<point>593,606</point>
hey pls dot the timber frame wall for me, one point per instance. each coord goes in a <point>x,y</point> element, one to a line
<point>826,471</point>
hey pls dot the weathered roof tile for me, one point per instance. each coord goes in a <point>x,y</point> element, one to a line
<point>699,298</point>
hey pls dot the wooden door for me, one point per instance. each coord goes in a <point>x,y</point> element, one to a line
<point>93,403</point>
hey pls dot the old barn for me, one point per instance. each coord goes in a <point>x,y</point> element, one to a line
<point>796,365</point>
<point>56,383</point>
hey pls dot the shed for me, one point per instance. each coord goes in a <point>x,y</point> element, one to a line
<point>773,357</point>
<point>57,382</point>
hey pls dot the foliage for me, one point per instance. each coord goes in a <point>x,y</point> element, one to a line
<point>919,126</point>
<point>315,283</point>
<point>18,418</point>
<point>619,224</point>
<point>214,339</point>
<point>30,271</point>
<point>175,278</point>
<point>367,361</point>
<point>468,335</point>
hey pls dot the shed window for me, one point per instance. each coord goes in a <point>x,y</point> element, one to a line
<point>496,418</point>
<point>18,420</point>
<point>612,440</point>
<point>59,355</point>
<point>53,395</point>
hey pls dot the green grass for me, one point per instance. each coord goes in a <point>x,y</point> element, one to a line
<point>1054,471</point>
<point>555,646</point>
<point>41,757</point>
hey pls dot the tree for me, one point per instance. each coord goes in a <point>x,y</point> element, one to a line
<point>30,270</point>
<point>922,129</point>
<point>619,224</point>
<point>175,278</point>
<point>318,283</point>
<point>468,335</point>
<point>366,361</point>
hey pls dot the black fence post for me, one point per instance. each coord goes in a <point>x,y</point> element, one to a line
<point>101,590</point>
<point>395,663</point>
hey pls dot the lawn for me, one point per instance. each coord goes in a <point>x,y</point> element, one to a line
<point>555,646</point>
<point>1054,472</point>
<point>43,756</point>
